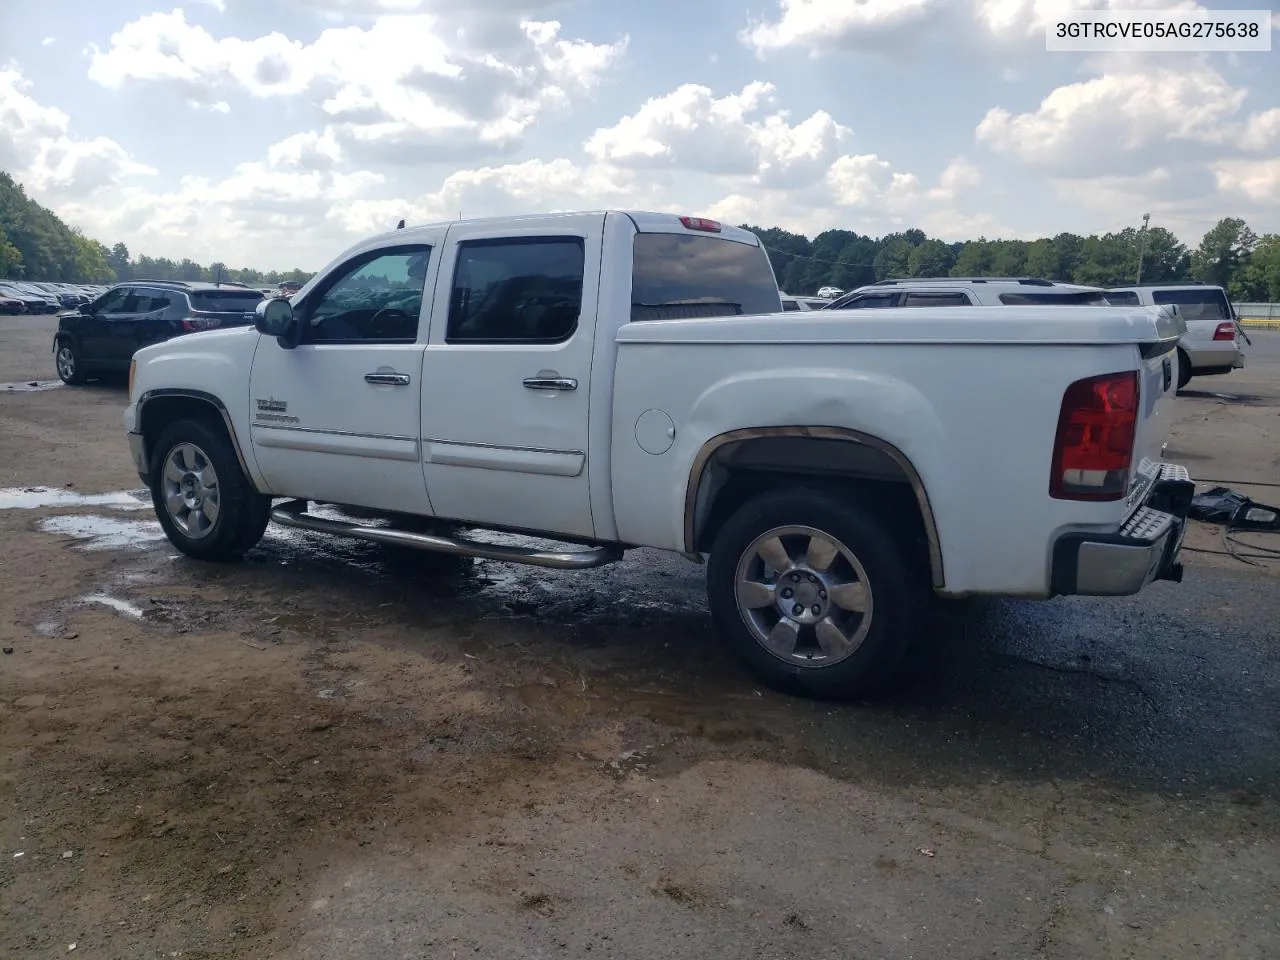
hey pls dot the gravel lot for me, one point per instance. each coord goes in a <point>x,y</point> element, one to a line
<point>330,752</point>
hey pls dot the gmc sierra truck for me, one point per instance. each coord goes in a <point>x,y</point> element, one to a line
<point>616,380</point>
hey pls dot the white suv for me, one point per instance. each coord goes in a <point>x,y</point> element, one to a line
<point>1211,344</point>
<point>969,292</point>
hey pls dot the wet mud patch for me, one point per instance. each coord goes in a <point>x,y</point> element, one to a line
<point>1233,399</point>
<point>203,804</point>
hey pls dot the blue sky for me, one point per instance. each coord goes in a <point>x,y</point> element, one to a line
<point>275,132</point>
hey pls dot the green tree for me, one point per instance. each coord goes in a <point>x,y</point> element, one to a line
<point>974,259</point>
<point>1042,259</point>
<point>893,260</point>
<point>1009,258</point>
<point>10,259</point>
<point>933,258</point>
<point>118,261</point>
<point>1258,280</point>
<point>1224,249</point>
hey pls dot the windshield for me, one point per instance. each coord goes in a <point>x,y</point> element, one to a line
<point>677,276</point>
<point>225,301</point>
<point>1209,303</point>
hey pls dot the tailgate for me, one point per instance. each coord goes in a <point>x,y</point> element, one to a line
<point>1158,383</point>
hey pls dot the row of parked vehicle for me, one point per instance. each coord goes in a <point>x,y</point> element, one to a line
<point>1211,345</point>
<point>25,296</point>
<point>101,333</point>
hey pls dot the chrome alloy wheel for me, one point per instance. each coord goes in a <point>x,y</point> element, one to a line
<point>191,494</point>
<point>66,362</point>
<point>804,596</point>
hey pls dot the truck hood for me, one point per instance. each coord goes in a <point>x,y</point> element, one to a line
<point>1046,324</point>
<point>214,340</point>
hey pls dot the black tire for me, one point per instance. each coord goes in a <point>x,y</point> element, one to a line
<point>1184,368</point>
<point>898,593</point>
<point>66,358</point>
<point>243,513</point>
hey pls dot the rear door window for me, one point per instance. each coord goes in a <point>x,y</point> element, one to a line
<point>1207,304</point>
<point>677,276</point>
<point>517,291</point>
<point>866,301</point>
<point>937,300</point>
<point>1074,298</point>
<point>1122,298</point>
<point>225,301</point>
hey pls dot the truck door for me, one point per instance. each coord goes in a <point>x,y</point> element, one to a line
<point>336,419</point>
<point>507,374</point>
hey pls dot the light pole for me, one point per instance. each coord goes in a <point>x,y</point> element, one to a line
<point>1142,245</point>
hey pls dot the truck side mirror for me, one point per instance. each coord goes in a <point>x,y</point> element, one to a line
<point>275,318</point>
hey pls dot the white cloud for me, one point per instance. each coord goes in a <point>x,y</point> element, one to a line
<point>36,146</point>
<point>403,89</point>
<point>1117,122</point>
<point>48,41</point>
<point>691,129</point>
<point>826,26</point>
<point>219,5</point>
<point>1256,180</point>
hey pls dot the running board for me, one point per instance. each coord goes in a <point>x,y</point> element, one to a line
<point>294,514</point>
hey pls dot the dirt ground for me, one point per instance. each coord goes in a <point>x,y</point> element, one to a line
<point>329,751</point>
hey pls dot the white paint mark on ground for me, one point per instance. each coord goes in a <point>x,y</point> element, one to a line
<point>35,498</point>
<point>104,533</point>
<point>119,606</point>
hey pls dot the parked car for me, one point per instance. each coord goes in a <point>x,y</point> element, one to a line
<point>33,301</point>
<point>101,336</point>
<point>968,292</point>
<point>1212,344</point>
<point>828,293</point>
<point>790,303</point>
<point>618,380</point>
<point>11,305</point>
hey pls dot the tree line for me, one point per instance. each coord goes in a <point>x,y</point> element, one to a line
<point>35,244</point>
<point>1229,255</point>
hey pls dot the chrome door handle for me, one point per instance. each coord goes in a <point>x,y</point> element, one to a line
<point>390,379</point>
<point>551,383</point>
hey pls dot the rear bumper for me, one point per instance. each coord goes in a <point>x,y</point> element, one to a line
<point>1222,355</point>
<point>1144,549</point>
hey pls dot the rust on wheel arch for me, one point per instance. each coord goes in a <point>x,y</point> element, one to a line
<point>820,433</point>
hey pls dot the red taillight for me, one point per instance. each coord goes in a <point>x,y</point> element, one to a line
<point>701,223</point>
<point>1225,331</point>
<point>198,320</point>
<point>1093,449</point>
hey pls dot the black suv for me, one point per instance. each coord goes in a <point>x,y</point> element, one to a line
<point>102,336</point>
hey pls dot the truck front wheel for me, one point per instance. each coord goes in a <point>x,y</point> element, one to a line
<point>203,500</point>
<point>813,593</point>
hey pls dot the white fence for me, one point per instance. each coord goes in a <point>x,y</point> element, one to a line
<point>1258,311</point>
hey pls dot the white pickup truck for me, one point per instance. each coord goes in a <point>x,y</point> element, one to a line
<point>616,380</point>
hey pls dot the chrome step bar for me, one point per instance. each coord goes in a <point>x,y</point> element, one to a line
<point>293,513</point>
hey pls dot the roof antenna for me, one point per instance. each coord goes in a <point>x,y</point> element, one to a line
<point>400,225</point>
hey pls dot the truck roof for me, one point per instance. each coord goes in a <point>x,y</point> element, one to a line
<point>645,221</point>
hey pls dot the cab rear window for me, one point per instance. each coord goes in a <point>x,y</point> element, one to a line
<point>678,276</point>
<point>1207,304</point>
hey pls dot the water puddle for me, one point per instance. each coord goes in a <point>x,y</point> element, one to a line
<point>31,386</point>
<point>104,533</point>
<point>119,606</point>
<point>35,498</point>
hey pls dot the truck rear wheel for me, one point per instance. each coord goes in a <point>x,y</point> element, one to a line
<point>204,502</point>
<point>1184,368</point>
<point>813,593</point>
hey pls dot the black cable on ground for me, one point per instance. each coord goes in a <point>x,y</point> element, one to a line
<point>1238,483</point>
